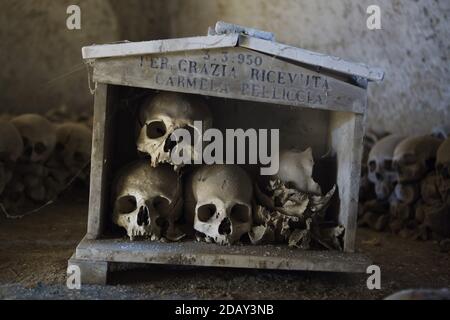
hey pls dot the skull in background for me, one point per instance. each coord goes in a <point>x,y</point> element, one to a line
<point>73,145</point>
<point>443,171</point>
<point>380,165</point>
<point>11,147</point>
<point>223,210</point>
<point>161,115</point>
<point>38,135</point>
<point>414,157</point>
<point>148,201</point>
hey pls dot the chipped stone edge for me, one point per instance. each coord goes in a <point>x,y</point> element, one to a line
<point>159,46</point>
<point>312,58</point>
<point>359,70</point>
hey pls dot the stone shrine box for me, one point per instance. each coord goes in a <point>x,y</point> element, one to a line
<point>249,81</point>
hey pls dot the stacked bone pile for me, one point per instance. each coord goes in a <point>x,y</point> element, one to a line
<point>157,200</point>
<point>411,184</point>
<point>38,159</point>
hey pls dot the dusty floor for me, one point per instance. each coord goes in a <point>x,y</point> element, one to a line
<point>34,252</point>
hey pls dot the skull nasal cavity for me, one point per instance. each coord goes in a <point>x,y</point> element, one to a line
<point>169,145</point>
<point>225,227</point>
<point>143,217</point>
<point>205,212</point>
<point>156,129</point>
<point>240,213</point>
<point>126,204</point>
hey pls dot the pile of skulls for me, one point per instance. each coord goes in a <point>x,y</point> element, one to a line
<point>155,199</point>
<point>410,181</point>
<point>38,159</point>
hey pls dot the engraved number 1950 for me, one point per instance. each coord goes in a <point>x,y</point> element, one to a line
<point>240,58</point>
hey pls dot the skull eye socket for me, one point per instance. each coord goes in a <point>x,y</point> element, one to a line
<point>408,159</point>
<point>240,213</point>
<point>205,212</point>
<point>161,204</point>
<point>156,129</point>
<point>40,148</point>
<point>126,204</point>
<point>372,166</point>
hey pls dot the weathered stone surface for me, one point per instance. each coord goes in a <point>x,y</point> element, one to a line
<point>91,272</point>
<point>232,73</point>
<point>204,254</point>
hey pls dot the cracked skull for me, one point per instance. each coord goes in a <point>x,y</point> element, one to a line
<point>38,135</point>
<point>162,115</point>
<point>148,201</point>
<point>380,166</point>
<point>443,170</point>
<point>223,211</point>
<point>11,147</point>
<point>414,157</point>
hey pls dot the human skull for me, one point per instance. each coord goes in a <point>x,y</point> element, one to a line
<point>443,170</point>
<point>161,115</point>
<point>296,167</point>
<point>414,157</point>
<point>73,145</point>
<point>380,170</point>
<point>38,135</point>
<point>11,147</point>
<point>148,201</point>
<point>223,211</point>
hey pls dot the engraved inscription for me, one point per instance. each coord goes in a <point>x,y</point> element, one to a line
<point>235,73</point>
<point>239,72</point>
